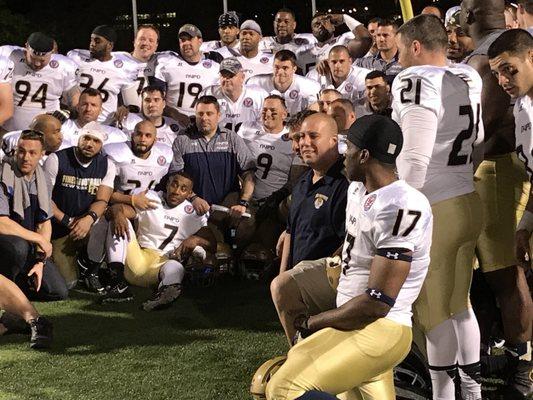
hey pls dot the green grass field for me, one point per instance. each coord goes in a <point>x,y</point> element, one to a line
<point>207,346</point>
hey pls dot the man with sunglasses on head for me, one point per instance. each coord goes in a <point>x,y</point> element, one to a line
<point>40,79</point>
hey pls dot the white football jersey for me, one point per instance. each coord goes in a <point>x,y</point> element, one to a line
<point>260,64</point>
<point>128,124</point>
<point>308,56</point>
<point>523,116</point>
<point>109,77</point>
<point>396,216</point>
<point>145,70</point>
<point>299,95</point>
<point>247,108</point>
<point>134,172</point>
<point>214,45</point>
<point>37,92</point>
<point>185,81</point>
<point>453,93</point>
<point>164,228</point>
<point>274,156</point>
<point>270,43</point>
<point>168,130</point>
<point>71,134</point>
<point>6,69</point>
<point>353,87</point>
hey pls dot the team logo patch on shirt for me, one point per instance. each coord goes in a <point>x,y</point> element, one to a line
<point>189,209</point>
<point>161,160</point>
<point>369,202</point>
<point>349,87</point>
<point>174,127</point>
<point>293,94</point>
<point>247,102</point>
<point>53,64</point>
<point>320,199</point>
<point>207,64</point>
<point>118,63</point>
<point>264,60</point>
<point>285,137</point>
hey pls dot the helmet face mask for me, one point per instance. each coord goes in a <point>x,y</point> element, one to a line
<point>262,376</point>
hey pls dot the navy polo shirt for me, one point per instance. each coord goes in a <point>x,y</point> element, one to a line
<point>317,215</point>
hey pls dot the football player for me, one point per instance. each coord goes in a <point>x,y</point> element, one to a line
<point>238,103</point>
<point>297,91</point>
<point>323,28</point>
<point>187,74</point>
<point>154,254</point>
<point>347,79</point>
<point>89,108</point>
<point>145,57</point>
<point>228,29</point>
<point>6,92</point>
<point>459,44</point>
<point>502,184</point>
<point>439,108</point>
<point>153,108</point>
<point>285,38</point>
<point>47,124</point>
<point>511,60</point>
<point>356,343</point>
<point>40,80</point>
<point>100,69</point>
<point>253,60</point>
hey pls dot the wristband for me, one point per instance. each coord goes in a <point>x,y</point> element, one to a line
<point>244,203</point>
<point>93,215</point>
<point>65,221</point>
<point>192,198</point>
<point>526,222</point>
<point>380,296</point>
<point>350,22</point>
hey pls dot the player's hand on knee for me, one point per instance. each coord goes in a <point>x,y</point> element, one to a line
<point>523,252</point>
<point>121,226</point>
<point>141,202</point>
<point>81,227</point>
<point>200,206</point>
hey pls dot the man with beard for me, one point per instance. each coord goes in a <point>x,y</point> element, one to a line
<point>100,69</point>
<point>40,80</point>
<point>297,91</point>
<point>459,44</point>
<point>228,29</point>
<point>285,38</point>
<point>323,28</point>
<point>378,94</point>
<point>82,181</point>
<point>238,103</point>
<point>185,75</point>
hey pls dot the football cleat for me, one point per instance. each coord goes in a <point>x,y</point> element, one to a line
<point>119,293</point>
<point>93,284</point>
<point>14,324</point>
<point>41,333</point>
<point>163,297</point>
<point>262,376</point>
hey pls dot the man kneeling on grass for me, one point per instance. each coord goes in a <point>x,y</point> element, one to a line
<point>166,237</point>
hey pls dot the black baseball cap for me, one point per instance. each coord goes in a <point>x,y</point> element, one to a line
<point>40,44</point>
<point>378,134</point>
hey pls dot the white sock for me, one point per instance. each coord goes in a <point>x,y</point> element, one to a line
<point>442,358</point>
<point>171,272</point>
<point>95,245</point>
<point>117,247</point>
<point>468,338</point>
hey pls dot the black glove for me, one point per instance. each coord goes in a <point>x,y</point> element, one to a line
<point>271,204</point>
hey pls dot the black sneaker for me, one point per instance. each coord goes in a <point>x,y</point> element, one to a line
<point>119,293</point>
<point>14,324</point>
<point>41,333</point>
<point>93,284</point>
<point>520,382</point>
<point>163,297</point>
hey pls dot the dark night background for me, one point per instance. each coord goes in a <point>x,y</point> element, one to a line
<point>71,22</point>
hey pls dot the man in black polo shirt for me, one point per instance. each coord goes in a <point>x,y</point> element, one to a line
<point>82,180</point>
<point>216,158</point>
<point>316,223</point>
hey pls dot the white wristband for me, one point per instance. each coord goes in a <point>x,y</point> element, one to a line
<point>526,222</point>
<point>199,252</point>
<point>350,22</point>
